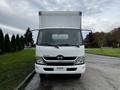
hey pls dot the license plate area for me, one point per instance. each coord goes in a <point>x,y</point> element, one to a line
<point>59,69</point>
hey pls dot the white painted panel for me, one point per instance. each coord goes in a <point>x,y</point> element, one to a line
<point>64,19</point>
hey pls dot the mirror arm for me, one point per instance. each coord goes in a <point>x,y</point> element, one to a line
<point>86,30</point>
<point>35,30</point>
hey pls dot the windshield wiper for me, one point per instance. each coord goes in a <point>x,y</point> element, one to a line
<point>69,45</point>
<point>48,44</point>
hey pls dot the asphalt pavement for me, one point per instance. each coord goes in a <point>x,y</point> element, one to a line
<point>102,73</point>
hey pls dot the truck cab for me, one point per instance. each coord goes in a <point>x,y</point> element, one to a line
<point>59,48</point>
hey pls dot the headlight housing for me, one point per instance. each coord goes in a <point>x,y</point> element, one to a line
<point>40,60</point>
<point>80,60</point>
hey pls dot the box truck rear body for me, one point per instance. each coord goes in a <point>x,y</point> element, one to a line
<point>59,47</point>
<point>60,19</point>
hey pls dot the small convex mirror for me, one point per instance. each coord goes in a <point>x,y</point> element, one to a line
<point>87,34</point>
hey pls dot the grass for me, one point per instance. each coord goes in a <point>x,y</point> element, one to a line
<point>14,67</point>
<point>115,52</point>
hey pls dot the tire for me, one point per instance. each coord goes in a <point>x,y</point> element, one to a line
<point>77,76</point>
<point>42,76</point>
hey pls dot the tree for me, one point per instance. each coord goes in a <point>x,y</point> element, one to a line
<point>1,42</point>
<point>7,43</point>
<point>13,43</point>
<point>18,46</point>
<point>22,42</point>
<point>116,37</point>
<point>28,37</point>
<point>99,39</point>
<point>95,40</point>
<point>113,38</point>
<point>89,40</point>
<point>109,40</point>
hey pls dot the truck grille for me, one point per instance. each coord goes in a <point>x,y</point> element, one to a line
<point>60,64</point>
<point>55,58</point>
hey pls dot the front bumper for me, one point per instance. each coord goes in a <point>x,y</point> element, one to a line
<point>74,69</point>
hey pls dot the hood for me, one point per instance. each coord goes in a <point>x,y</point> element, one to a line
<point>63,50</point>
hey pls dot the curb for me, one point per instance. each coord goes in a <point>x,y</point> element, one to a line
<point>104,55</point>
<point>23,84</point>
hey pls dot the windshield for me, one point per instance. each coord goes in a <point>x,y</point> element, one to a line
<point>59,37</point>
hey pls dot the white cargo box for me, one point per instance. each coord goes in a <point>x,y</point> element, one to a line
<point>60,19</point>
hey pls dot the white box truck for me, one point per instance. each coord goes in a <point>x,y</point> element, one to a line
<point>59,47</point>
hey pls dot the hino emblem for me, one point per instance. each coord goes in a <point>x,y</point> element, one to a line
<point>60,57</point>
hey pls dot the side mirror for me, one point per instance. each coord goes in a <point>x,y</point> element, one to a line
<point>87,35</point>
<point>85,32</point>
<point>35,34</point>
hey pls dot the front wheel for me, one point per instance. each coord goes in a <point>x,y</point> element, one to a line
<point>78,75</point>
<point>42,76</point>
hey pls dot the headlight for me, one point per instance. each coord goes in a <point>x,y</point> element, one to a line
<point>80,60</point>
<point>40,60</point>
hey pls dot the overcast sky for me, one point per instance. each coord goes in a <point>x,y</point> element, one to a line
<point>98,15</point>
